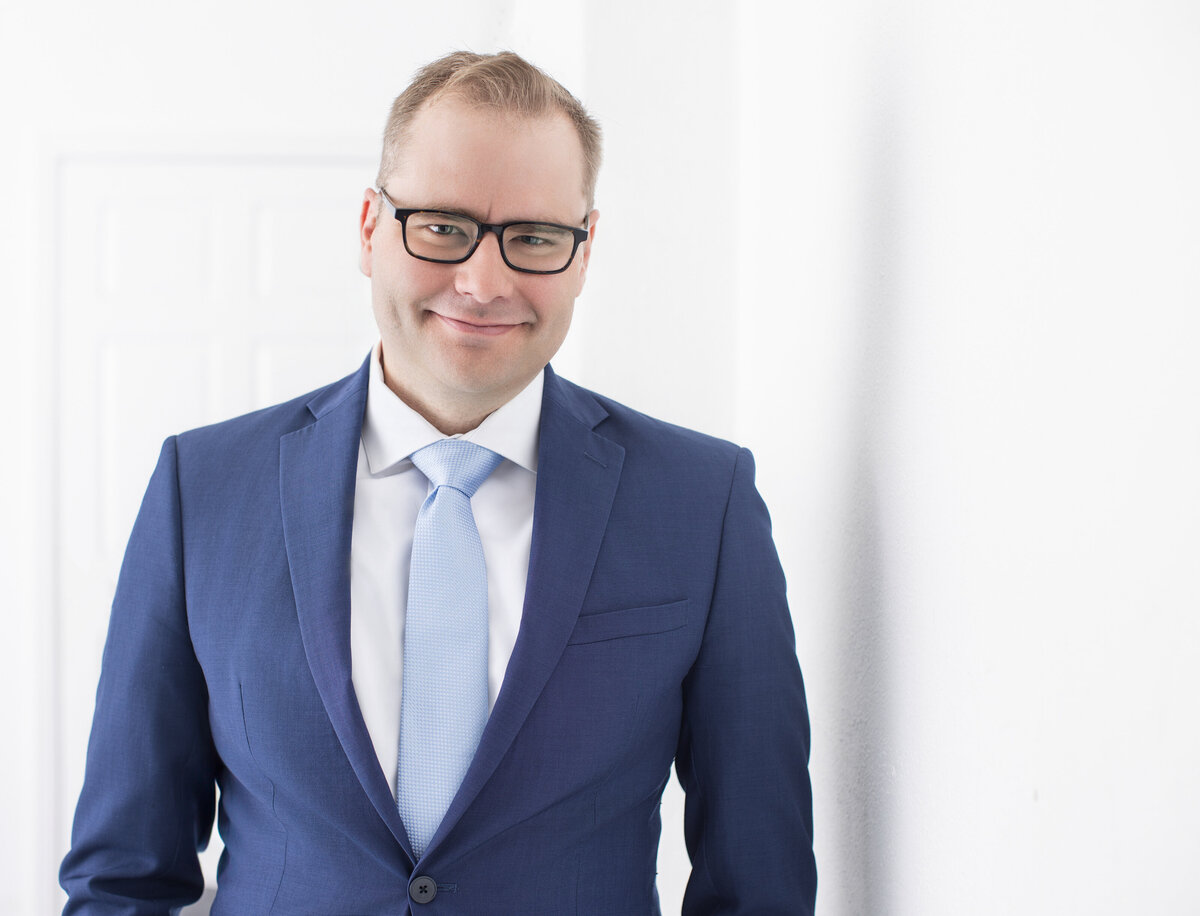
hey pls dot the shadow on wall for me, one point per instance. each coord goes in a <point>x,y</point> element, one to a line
<point>202,906</point>
<point>865,744</point>
<point>864,783</point>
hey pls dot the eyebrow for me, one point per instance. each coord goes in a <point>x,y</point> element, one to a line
<point>447,208</point>
<point>459,211</point>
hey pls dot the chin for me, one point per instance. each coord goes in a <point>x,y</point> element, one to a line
<point>467,376</point>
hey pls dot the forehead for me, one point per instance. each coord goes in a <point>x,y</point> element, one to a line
<point>492,165</point>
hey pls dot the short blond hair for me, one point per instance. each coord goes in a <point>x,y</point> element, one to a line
<point>503,82</point>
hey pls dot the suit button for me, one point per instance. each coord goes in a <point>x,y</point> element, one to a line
<point>422,889</point>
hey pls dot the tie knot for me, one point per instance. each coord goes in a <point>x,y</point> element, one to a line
<point>456,463</point>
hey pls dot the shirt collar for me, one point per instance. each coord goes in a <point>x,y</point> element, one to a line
<point>392,430</point>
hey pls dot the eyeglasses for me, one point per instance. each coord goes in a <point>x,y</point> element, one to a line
<point>451,238</point>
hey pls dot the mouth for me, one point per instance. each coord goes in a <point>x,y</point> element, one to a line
<point>480,328</point>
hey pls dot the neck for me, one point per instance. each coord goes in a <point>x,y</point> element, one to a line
<point>449,416</point>
<point>448,422</point>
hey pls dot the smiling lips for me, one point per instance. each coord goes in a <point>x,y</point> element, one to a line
<point>466,327</point>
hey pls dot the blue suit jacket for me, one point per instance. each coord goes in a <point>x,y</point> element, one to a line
<point>655,628</point>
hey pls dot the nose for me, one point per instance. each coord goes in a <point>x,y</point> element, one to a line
<point>484,276</point>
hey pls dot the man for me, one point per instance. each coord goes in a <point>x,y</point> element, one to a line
<point>422,693</point>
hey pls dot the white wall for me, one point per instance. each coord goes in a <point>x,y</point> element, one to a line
<point>956,327</point>
<point>980,359</point>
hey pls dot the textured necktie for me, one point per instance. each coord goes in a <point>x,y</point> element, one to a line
<point>444,698</point>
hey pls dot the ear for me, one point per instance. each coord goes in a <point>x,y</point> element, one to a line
<point>586,253</point>
<point>366,229</point>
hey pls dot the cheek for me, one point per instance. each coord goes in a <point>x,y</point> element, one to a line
<point>553,298</point>
<point>403,285</point>
<point>555,323</point>
<point>553,309</point>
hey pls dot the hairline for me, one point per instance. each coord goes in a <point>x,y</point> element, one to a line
<point>503,113</point>
<point>503,84</point>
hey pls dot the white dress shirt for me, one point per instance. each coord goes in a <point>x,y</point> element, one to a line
<point>388,494</point>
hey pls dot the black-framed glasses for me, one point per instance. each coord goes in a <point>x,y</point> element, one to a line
<point>451,238</point>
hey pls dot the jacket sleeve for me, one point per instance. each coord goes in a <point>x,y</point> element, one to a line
<point>744,745</point>
<point>148,793</point>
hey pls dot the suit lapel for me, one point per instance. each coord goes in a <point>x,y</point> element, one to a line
<point>578,472</point>
<point>318,464</point>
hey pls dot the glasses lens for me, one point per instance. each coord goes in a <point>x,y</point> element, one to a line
<point>439,236</point>
<point>536,246</point>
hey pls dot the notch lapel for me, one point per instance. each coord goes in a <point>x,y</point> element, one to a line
<point>317,468</point>
<point>578,473</point>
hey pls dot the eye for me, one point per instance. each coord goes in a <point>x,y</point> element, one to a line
<point>433,234</point>
<point>537,238</point>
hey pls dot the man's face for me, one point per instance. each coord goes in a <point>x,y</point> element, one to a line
<point>460,340</point>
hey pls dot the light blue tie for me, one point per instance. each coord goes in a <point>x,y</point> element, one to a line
<point>444,698</point>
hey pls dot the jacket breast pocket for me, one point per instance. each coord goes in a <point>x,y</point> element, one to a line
<point>629,622</point>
